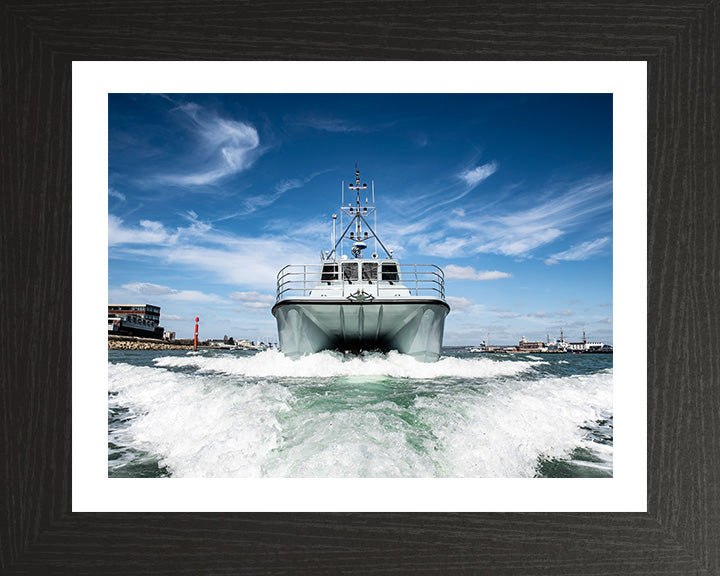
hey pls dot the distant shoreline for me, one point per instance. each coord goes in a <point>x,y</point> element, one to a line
<point>136,343</point>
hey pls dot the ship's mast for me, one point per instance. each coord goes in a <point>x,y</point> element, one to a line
<point>358,220</point>
<point>359,245</point>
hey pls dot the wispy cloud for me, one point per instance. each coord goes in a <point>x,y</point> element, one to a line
<point>246,262</point>
<point>222,257</point>
<point>329,124</point>
<point>510,229</point>
<point>253,299</point>
<point>224,146</point>
<point>254,203</point>
<point>459,304</point>
<point>115,194</point>
<point>149,232</point>
<point>176,317</point>
<point>581,251</point>
<point>473,176</point>
<point>437,201</point>
<point>316,231</point>
<point>156,292</point>
<point>541,314</point>
<point>469,273</point>
<point>518,242</point>
<point>449,247</point>
<point>420,139</point>
<point>557,206</point>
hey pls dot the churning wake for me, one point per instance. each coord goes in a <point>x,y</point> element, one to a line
<point>272,363</point>
<point>325,415</point>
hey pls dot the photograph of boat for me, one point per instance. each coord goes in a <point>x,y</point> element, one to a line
<point>361,303</point>
<point>360,285</point>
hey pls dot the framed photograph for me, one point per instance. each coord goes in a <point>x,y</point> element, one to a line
<point>654,512</point>
<point>530,218</point>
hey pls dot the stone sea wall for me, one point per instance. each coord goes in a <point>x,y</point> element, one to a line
<point>131,343</point>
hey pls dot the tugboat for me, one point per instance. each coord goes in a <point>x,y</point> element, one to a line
<point>360,304</point>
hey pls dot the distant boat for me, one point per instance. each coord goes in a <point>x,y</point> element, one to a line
<point>360,304</point>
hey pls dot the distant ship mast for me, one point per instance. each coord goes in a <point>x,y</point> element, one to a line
<point>358,215</point>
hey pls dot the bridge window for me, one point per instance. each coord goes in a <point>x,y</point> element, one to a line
<point>350,271</point>
<point>369,271</point>
<point>329,272</point>
<point>390,272</point>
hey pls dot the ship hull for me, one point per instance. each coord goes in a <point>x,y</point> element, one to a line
<point>413,327</point>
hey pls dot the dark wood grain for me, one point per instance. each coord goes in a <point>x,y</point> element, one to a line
<point>680,534</point>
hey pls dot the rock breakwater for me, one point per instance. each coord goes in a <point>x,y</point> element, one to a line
<point>129,343</point>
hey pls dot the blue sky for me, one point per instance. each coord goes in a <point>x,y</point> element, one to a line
<point>209,195</point>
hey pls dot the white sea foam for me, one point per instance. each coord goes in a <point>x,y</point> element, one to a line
<point>199,428</point>
<point>272,363</point>
<point>243,417</point>
<point>504,433</point>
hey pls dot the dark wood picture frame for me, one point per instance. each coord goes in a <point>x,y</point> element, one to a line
<point>680,533</point>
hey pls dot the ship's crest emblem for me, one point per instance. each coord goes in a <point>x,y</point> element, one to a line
<point>361,296</point>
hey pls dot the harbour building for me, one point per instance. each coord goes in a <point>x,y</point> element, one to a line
<point>134,320</point>
<point>586,346</point>
<point>526,346</point>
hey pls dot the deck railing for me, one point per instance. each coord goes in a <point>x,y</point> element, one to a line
<point>421,279</point>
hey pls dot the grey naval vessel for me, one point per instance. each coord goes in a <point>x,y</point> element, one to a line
<point>355,304</point>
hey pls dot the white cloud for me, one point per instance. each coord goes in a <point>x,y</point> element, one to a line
<point>175,317</point>
<point>256,202</point>
<point>115,194</point>
<point>485,229</point>
<point>508,315</point>
<point>316,232</point>
<point>288,184</point>
<point>251,262</point>
<point>469,273</point>
<point>251,204</point>
<point>165,293</point>
<point>458,304</point>
<point>582,251</point>
<point>518,241</point>
<point>152,226</point>
<point>253,299</point>
<point>473,176</point>
<point>449,247</point>
<point>149,232</point>
<point>147,289</point>
<point>329,124</point>
<point>223,257</point>
<point>560,208</point>
<point>542,314</point>
<point>226,146</point>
